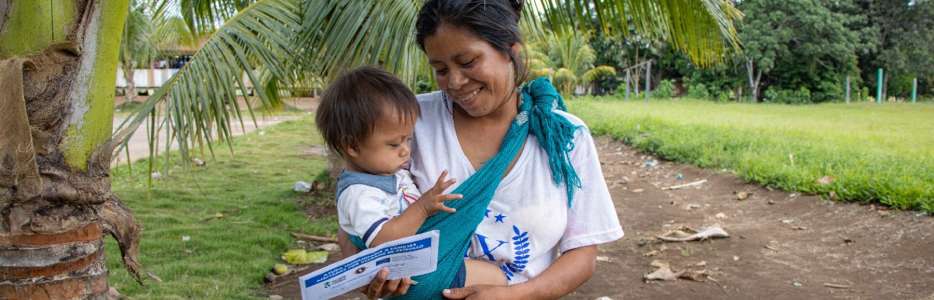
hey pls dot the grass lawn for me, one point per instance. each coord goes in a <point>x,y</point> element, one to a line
<point>225,258</point>
<point>875,153</point>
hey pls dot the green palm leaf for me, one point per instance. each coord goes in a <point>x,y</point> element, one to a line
<point>200,101</point>
<point>701,28</point>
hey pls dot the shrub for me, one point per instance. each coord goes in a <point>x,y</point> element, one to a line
<point>778,95</point>
<point>665,89</point>
<point>698,91</point>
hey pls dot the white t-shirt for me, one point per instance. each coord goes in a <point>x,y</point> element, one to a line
<point>365,201</point>
<point>528,223</point>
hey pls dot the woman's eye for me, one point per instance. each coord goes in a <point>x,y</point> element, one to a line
<point>469,63</point>
<point>394,145</point>
<point>441,71</point>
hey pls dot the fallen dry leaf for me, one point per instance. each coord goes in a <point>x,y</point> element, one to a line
<point>698,275</point>
<point>663,272</point>
<point>687,234</point>
<point>825,180</point>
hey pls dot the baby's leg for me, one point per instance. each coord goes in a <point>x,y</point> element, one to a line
<point>481,272</point>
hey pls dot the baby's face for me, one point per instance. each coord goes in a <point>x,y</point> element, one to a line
<point>387,149</point>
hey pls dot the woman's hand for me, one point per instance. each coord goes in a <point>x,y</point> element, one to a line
<point>481,292</point>
<point>379,287</point>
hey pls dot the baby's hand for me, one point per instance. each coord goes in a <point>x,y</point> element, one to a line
<point>433,199</point>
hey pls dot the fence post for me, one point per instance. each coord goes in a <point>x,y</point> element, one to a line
<point>627,83</point>
<point>879,85</point>
<point>847,89</point>
<point>914,90</point>
<point>648,79</point>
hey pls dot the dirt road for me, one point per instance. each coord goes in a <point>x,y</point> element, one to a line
<point>782,245</point>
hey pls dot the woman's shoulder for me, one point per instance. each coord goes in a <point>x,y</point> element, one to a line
<point>571,117</point>
<point>432,107</point>
<point>429,98</point>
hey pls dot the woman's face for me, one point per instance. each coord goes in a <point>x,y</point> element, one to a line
<point>476,76</point>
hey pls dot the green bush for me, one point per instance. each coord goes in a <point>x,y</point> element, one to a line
<point>665,89</point>
<point>776,95</point>
<point>698,91</point>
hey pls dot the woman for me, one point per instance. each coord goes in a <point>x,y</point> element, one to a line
<point>544,241</point>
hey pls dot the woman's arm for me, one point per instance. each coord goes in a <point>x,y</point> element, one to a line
<point>571,270</point>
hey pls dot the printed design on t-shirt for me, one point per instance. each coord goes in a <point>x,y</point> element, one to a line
<point>406,195</point>
<point>521,246</point>
<point>520,257</point>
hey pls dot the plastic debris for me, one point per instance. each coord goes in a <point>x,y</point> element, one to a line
<point>650,163</point>
<point>330,247</point>
<point>280,269</point>
<point>301,187</point>
<point>675,187</point>
<point>302,257</point>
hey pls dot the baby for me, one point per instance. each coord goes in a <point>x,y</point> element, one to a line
<point>368,116</point>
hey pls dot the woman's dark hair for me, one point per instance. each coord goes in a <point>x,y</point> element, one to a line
<point>352,104</point>
<point>494,21</point>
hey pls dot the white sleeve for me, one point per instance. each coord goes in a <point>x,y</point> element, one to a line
<point>592,217</point>
<point>362,211</point>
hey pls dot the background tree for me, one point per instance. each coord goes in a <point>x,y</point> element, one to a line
<point>904,34</point>
<point>147,32</point>
<point>798,44</point>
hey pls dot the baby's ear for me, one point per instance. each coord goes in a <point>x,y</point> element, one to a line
<point>352,152</point>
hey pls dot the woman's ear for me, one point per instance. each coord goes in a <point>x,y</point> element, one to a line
<point>516,50</point>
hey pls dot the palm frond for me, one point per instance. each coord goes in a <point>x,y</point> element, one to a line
<point>206,16</point>
<point>199,103</point>
<point>344,34</point>
<point>703,29</point>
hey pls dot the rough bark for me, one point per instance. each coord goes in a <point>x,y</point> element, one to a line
<point>55,199</point>
<point>130,92</point>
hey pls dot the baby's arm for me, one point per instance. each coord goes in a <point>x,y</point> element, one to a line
<point>412,218</point>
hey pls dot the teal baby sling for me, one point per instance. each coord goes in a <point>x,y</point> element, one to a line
<point>555,135</point>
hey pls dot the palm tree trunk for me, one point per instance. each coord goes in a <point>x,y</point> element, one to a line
<point>130,93</point>
<point>58,62</point>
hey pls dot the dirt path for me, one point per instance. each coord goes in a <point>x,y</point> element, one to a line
<point>782,245</point>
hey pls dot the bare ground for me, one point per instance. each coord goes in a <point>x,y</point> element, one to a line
<point>782,245</point>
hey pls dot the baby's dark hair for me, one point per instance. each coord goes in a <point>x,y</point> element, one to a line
<point>352,104</point>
